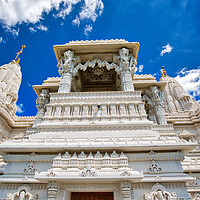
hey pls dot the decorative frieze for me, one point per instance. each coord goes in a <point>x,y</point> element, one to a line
<point>97,160</point>
<point>97,166</point>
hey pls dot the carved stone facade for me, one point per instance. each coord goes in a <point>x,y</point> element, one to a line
<point>99,128</point>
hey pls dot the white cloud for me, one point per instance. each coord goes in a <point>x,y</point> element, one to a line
<point>76,21</point>
<point>32,29</point>
<point>20,108</point>
<point>91,9</point>
<point>65,11</point>
<point>87,29</point>
<point>14,12</point>
<point>190,80</point>
<point>14,32</point>
<point>1,40</point>
<point>39,27</point>
<point>141,68</point>
<point>166,49</point>
<point>42,27</point>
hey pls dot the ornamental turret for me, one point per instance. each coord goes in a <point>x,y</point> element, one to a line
<point>10,81</point>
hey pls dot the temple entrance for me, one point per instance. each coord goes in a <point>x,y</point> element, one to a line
<point>92,196</point>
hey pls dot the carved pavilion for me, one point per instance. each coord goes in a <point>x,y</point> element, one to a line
<point>101,132</point>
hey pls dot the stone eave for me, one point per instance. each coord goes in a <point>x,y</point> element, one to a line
<point>142,84</point>
<point>96,47</point>
<point>61,147</point>
<point>52,88</point>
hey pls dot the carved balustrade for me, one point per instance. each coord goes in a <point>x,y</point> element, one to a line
<point>92,106</point>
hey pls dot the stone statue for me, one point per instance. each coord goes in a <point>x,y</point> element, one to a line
<point>160,195</point>
<point>67,70</point>
<point>41,102</point>
<point>155,96</point>
<point>22,195</point>
<point>126,67</point>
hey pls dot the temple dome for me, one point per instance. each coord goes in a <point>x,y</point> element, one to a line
<point>175,97</point>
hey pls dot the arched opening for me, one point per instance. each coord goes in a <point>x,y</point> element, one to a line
<point>95,79</point>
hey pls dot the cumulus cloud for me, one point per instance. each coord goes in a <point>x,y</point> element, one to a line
<point>141,68</point>
<point>1,39</point>
<point>166,49</point>
<point>20,108</point>
<point>190,80</point>
<point>13,13</point>
<point>87,29</point>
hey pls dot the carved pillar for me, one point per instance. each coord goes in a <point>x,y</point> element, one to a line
<point>52,190</point>
<point>66,70</point>
<point>126,68</point>
<point>158,105</point>
<point>41,102</point>
<point>126,81</point>
<point>126,190</point>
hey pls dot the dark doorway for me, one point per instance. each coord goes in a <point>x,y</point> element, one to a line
<point>92,196</point>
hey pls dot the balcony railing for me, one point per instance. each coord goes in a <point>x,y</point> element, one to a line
<point>98,106</point>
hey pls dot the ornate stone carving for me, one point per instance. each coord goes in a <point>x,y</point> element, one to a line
<point>52,190</point>
<point>88,172</point>
<point>126,67</point>
<point>66,70</point>
<point>24,193</point>
<point>30,169</point>
<point>154,99</point>
<point>154,168</point>
<point>126,190</point>
<point>2,165</point>
<point>41,102</point>
<point>195,196</point>
<point>97,161</point>
<point>159,193</point>
<point>10,80</point>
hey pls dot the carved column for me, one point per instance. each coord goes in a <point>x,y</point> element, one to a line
<point>52,190</point>
<point>158,105</point>
<point>126,68</point>
<point>66,70</point>
<point>41,102</point>
<point>126,190</point>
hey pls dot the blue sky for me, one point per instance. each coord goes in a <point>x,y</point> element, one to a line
<point>168,33</point>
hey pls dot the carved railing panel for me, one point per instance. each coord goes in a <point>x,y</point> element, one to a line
<point>100,106</point>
